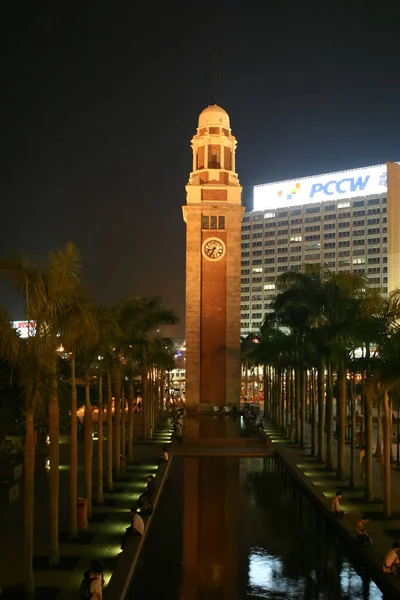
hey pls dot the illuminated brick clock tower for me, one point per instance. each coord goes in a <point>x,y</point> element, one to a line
<point>213,214</point>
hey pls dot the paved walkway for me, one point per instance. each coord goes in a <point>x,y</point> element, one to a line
<point>324,484</point>
<point>102,539</point>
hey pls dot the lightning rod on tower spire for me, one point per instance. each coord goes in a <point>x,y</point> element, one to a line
<point>214,72</point>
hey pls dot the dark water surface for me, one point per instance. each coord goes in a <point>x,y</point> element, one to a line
<point>229,528</point>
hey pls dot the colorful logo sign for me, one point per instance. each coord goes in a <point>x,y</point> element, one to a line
<point>320,188</point>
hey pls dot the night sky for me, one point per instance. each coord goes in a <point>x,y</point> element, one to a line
<point>100,100</point>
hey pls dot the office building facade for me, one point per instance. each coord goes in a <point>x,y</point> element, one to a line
<point>347,221</point>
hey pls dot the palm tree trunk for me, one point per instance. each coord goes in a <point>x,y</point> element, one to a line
<point>123,429</point>
<point>368,446</point>
<point>321,409</point>
<point>274,396</point>
<point>265,391</point>
<point>246,379</point>
<point>282,371</point>
<point>353,435</point>
<point>29,498</point>
<point>287,401</point>
<point>278,395</point>
<point>88,444</point>
<point>303,401</point>
<point>292,392</point>
<point>152,400</point>
<point>391,432</point>
<point>297,405</point>
<point>54,433</point>
<point>73,457</point>
<point>341,386</point>
<point>100,444</point>
<point>109,433</point>
<point>313,415</point>
<point>329,418</point>
<point>145,407</point>
<point>117,422</point>
<point>387,441</point>
<point>161,395</point>
<point>378,448</point>
<point>130,421</point>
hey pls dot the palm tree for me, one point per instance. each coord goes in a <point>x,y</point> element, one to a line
<point>246,350</point>
<point>299,306</point>
<point>77,327</point>
<point>161,356</point>
<point>139,318</point>
<point>385,375</point>
<point>25,358</point>
<point>104,329</point>
<point>117,379</point>
<point>48,295</point>
<point>107,359</point>
<point>100,496</point>
<point>371,323</point>
<point>343,292</point>
<point>131,372</point>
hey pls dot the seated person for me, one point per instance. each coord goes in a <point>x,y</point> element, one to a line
<point>136,527</point>
<point>145,505</point>
<point>137,522</point>
<point>151,486</point>
<point>165,454</point>
<point>96,581</point>
<point>391,560</point>
<point>151,489</point>
<point>335,506</point>
<point>361,534</point>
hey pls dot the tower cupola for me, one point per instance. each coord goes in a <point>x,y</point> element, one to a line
<point>214,149</point>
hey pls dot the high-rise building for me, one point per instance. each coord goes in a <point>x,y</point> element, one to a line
<point>347,221</point>
<point>213,213</point>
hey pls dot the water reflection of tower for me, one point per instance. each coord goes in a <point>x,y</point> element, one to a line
<point>210,535</point>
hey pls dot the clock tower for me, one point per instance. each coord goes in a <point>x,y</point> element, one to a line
<point>213,214</point>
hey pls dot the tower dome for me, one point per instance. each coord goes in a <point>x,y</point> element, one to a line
<point>214,115</point>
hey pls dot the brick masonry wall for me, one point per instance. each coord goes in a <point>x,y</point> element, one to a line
<point>213,327</point>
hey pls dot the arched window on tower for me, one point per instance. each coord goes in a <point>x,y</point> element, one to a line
<point>214,156</point>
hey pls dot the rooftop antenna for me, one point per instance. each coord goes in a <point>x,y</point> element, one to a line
<point>214,73</point>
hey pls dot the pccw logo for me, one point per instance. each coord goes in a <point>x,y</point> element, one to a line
<point>343,186</point>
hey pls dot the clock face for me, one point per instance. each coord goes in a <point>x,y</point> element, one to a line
<point>213,248</point>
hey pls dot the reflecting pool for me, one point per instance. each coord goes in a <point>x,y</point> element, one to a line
<point>237,528</point>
